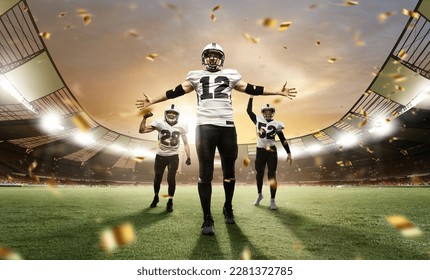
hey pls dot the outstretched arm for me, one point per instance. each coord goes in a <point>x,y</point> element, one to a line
<point>259,90</point>
<point>249,110</point>
<point>285,145</point>
<point>180,90</point>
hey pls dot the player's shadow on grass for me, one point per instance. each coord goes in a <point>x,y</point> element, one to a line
<point>328,241</point>
<point>207,248</point>
<point>239,243</point>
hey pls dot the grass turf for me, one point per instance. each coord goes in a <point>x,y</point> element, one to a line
<point>312,223</point>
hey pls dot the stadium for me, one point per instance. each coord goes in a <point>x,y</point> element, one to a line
<point>73,188</point>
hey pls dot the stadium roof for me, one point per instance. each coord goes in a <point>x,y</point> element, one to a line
<point>40,117</point>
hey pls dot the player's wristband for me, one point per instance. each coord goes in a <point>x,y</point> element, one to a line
<point>254,90</point>
<point>178,91</point>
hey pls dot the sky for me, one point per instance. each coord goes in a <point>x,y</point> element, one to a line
<point>329,53</point>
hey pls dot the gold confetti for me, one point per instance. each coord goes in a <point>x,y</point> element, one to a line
<point>45,35</point>
<point>398,78</point>
<point>268,22</point>
<point>62,14</point>
<point>318,42</point>
<point>364,113</point>
<point>382,17</point>
<point>120,235</point>
<point>362,123</point>
<point>400,88</point>
<point>246,161</point>
<point>332,60</point>
<point>273,184</point>
<point>251,39</point>
<point>217,7</point>
<point>166,196</point>
<point>8,254</point>
<point>350,3</point>
<point>312,6</point>
<point>411,13</point>
<point>284,25</point>
<point>152,56</point>
<point>82,121</point>
<point>133,33</point>
<point>246,254</point>
<point>277,100</point>
<point>139,158</point>
<point>213,17</point>
<point>87,19</point>
<point>369,150</point>
<point>402,54</point>
<point>404,226</point>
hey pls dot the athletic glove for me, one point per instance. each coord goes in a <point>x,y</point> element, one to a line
<point>148,115</point>
<point>188,161</point>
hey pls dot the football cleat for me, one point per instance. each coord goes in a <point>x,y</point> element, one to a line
<point>208,226</point>
<point>228,214</point>
<point>273,204</point>
<point>154,202</point>
<point>259,198</point>
<point>169,206</point>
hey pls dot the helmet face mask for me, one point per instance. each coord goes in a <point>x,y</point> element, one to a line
<point>268,112</point>
<point>171,115</point>
<point>213,57</point>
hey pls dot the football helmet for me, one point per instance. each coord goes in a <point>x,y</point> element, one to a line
<point>213,57</point>
<point>268,112</point>
<point>171,114</point>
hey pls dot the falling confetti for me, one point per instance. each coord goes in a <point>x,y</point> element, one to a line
<point>331,60</point>
<point>246,161</point>
<point>62,14</point>
<point>403,54</point>
<point>246,254</point>
<point>318,42</point>
<point>213,17</point>
<point>8,254</point>
<point>45,35</point>
<point>251,39</point>
<point>120,235</point>
<point>284,25</point>
<point>82,122</point>
<point>411,13</point>
<point>357,40</point>
<point>268,22</point>
<point>382,17</point>
<point>152,56</point>
<point>273,184</point>
<point>404,226</point>
<point>217,7</point>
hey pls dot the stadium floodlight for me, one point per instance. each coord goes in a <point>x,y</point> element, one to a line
<point>381,127</point>
<point>84,139</point>
<point>347,140</point>
<point>118,148</point>
<point>9,87</point>
<point>51,123</point>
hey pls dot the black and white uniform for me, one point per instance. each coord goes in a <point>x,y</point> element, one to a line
<point>215,129</point>
<point>167,153</point>
<point>266,153</point>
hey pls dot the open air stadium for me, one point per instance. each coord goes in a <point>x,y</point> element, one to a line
<point>72,188</point>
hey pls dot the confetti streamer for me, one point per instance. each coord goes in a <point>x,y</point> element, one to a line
<point>404,226</point>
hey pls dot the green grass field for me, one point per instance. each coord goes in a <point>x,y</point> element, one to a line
<point>312,223</point>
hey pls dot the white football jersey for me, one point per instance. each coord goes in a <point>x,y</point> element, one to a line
<point>168,136</point>
<point>213,89</point>
<point>266,132</point>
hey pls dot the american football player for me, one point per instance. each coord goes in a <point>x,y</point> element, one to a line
<point>215,126</point>
<point>266,154</point>
<point>169,131</point>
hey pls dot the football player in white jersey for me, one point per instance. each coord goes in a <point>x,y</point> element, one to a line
<point>215,125</point>
<point>266,154</point>
<point>169,132</point>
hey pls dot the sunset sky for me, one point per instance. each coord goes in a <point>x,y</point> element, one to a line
<point>103,57</point>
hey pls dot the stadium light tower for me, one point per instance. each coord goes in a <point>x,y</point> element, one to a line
<point>9,87</point>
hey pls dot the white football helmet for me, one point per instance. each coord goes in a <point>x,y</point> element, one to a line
<point>213,57</point>
<point>268,112</point>
<point>171,114</point>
